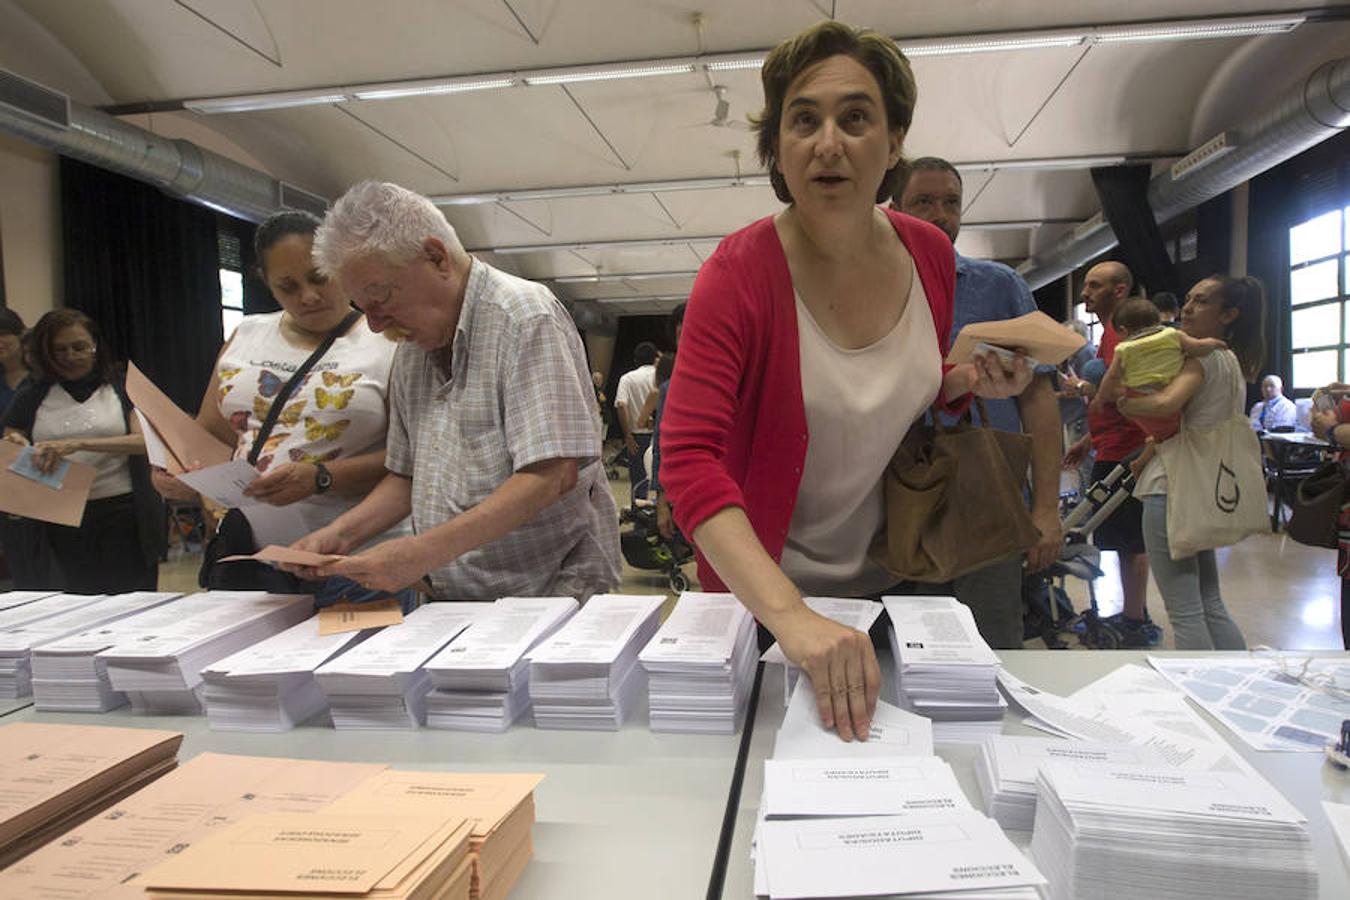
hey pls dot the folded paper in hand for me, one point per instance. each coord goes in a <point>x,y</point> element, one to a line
<point>287,555</point>
<point>21,495</point>
<point>1037,334</point>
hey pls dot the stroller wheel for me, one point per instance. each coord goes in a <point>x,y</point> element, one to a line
<point>678,582</point>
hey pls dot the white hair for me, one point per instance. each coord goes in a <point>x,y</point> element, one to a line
<point>1277,380</point>
<point>376,217</point>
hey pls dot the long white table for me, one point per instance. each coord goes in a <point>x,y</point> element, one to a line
<point>626,814</point>
<point>637,814</point>
<point>1304,778</point>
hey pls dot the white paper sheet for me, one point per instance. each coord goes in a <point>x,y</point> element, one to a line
<point>224,484</point>
<point>857,614</point>
<point>702,628</point>
<point>1338,814</point>
<point>883,855</point>
<point>894,732</point>
<point>1261,703</point>
<point>883,786</point>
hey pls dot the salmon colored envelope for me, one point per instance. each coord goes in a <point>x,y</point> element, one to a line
<point>1041,337</point>
<point>25,497</point>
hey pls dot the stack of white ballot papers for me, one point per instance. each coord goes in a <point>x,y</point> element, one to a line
<point>700,664</point>
<point>69,675</point>
<point>38,608</point>
<point>13,599</point>
<point>18,642</point>
<point>587,675</point>
<point>271,686</point>
<point>160,670</point>
<point>1107,832</point>
<point>1006,770</point>
<point>856,614</point>
<point>481,681</point>
<point>382,682</point>
<point>944,669</point>
<point>893,732</point>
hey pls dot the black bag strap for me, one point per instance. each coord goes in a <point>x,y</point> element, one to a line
<point>289,388</point>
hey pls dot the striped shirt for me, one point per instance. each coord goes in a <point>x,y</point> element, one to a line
<point>519,392</point>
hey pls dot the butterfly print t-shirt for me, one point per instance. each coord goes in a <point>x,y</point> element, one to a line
<point>338,412</point>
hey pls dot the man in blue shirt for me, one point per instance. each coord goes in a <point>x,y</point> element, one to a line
<point>988,291</point>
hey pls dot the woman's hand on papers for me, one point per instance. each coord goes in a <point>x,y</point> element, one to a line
<point>986,376</point>
<point>842,667</point>
<point>283,485</point>
<point>48,454</point>
<point>390,567</point>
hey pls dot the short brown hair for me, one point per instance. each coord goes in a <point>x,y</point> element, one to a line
<point>46,329</point>
<point>875,52</point>
<point>1134,314</point>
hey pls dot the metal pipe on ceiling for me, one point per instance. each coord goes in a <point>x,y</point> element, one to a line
<point>1308,113</point>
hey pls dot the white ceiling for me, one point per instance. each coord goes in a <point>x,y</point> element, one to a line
<point>1137,99</point>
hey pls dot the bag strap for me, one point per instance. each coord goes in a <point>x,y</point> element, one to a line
<point>289,388</point>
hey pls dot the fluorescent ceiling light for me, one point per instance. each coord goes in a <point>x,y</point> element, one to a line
<point>989,44</point>
<point>433,87</point>
<point>734,63</point>
<point>581,246</point>
<point>619,276</point>
<point>1199,30</point>
<point>1048,164</point>
<point>575,74</point>
<point>281,100</point>
<point>600,190</point>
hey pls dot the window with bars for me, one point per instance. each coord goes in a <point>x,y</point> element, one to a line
<point>231,280</point>
<point>1319,299</point>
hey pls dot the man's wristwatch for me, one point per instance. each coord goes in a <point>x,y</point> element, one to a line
<point>323,479</point>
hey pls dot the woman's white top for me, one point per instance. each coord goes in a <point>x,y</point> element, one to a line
<point>339,411</point>
<point>62,417</point>
<point>1219,398</point>
<point>859,405</point>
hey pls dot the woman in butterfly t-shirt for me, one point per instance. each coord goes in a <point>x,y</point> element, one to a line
<point>326,449</point>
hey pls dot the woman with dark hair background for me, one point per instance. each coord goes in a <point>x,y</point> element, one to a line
<point>22,539</point>
<point>76,408</point>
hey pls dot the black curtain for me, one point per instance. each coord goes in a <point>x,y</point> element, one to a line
<point>1123,191</point>
<point>145,267</point>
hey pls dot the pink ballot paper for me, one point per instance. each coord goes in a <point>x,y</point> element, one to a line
<point>188,442</point>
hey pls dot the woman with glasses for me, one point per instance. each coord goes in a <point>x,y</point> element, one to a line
<point>76,408</point>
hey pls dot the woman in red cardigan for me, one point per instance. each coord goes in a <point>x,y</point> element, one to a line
<point>812,341</point>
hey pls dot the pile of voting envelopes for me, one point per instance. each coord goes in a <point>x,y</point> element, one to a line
<point>499,808</point>
<point>586,676</point>
<point>1117,832</point>
<point>481,681</point>
<point>53,777</point>
<point>944,669</point>
<point>382,682</point>
<point>700,665</point>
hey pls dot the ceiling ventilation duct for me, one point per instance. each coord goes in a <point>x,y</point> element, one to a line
<point>50,119</point>
<point>1304,116</point>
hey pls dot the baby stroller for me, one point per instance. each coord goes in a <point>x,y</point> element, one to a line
<point>1050,614</point>
<point>644,548</point>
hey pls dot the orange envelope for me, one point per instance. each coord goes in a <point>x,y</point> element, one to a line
<point>25,497</point>
<point>274,553</point>
<point>1044,340</point>
<point>187,441</point>
<point>343,617</point>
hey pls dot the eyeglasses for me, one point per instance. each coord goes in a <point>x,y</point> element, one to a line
<point>81,348</point>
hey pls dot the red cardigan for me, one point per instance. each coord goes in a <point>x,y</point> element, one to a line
<point>733,432</point>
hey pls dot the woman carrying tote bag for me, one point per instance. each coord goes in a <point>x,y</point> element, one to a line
<point>1203,488</point>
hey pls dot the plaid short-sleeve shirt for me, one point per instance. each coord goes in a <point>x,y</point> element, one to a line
<point>519,392</point>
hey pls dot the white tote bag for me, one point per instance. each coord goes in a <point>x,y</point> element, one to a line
<point>1216,489</point>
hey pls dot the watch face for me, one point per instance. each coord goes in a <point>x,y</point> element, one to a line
<point>323,479</point>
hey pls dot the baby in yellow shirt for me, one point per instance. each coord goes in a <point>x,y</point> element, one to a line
<point>1147,358</point>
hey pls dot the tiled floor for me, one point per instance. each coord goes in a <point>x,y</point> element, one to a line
<point>1281,594</point>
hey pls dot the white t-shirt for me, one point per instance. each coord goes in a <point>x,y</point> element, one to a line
<point>859,405</point>
<point>61,417</point>
<point>634,387</point>
<point>1218,400</point>
<point>339,411</point>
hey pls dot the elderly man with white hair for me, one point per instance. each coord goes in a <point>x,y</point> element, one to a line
<point>1274,410</point>
<point>494,438</point>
